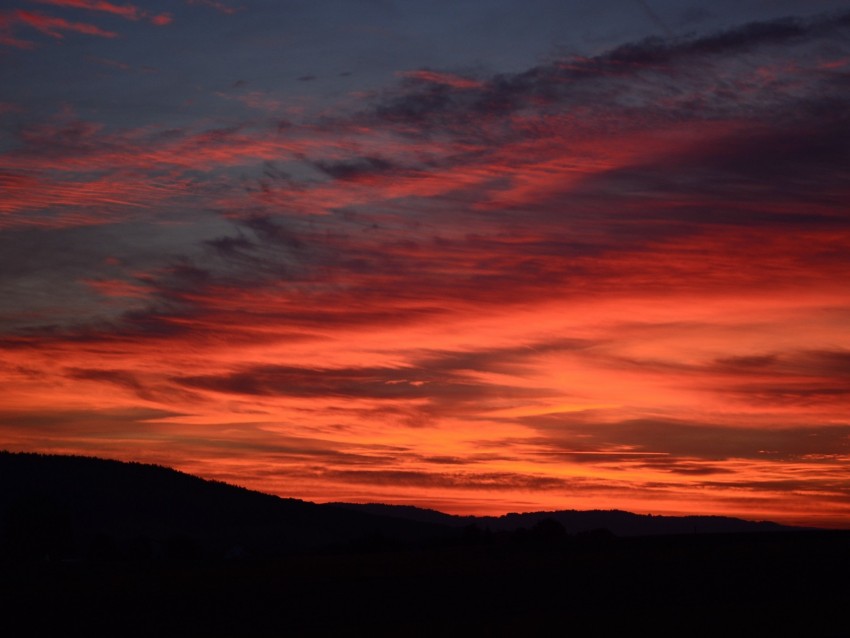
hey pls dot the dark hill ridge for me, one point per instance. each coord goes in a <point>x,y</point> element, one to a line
<point>117,502</point>
<point>74,503</point>
<point>496,584</point>
<point>617,522</point>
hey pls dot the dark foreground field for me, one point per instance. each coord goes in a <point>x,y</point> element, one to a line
<point>783,584</point>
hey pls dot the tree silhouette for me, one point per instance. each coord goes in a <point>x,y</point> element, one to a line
<point>36,527</point>
<point>548,530</point>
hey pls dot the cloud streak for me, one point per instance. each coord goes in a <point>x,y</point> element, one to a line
<point>127,11</point>
<point>53,26</point>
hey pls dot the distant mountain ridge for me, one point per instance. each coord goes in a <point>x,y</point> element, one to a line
<point>72,504</point>
<point>618,522</point>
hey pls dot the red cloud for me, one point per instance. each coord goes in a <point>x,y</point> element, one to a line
<point>117,288</point>
<point>53,26</point>
<point>96,196</point>
<point>161,19</point>
<point>449,79</point>
<point>127,11</point>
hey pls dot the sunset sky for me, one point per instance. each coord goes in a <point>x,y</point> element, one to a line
<point>480,256</point>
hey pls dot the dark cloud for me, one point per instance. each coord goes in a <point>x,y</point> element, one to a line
<point>464,480</point>
<point>118,377</point>
<point>797,376</point>
<point>445,378</point>
<point>55,424</point>
<point>682,440</point>
<point>231,246</point>
<point>446,460</point>
<point>385,383</point>
<point>366,383</point>
<point>660,76</point>
<point>272,231</point>
<point>145,389</point>
<point>656,51</point>
<point>804,378</point>
<point>354,169</point>
<point>783,394</point>
<point>823,362</point>
<point>830,490</point>
<point>511,360</point>
<point>794,161</point>
<point>685,468</point>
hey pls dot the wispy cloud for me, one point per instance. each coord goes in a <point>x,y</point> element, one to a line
<point>127,11</point>
<point>428,76</point>
<point>57,26</point>
<point>214,4</point>
<point>52,25</point>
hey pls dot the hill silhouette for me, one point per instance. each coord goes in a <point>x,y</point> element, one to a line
<point>79,506</point>
<point>74,529</point>
<point>617,522</point>
<point>72,504</point>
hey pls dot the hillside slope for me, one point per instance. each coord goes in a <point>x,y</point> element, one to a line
<point>75,501</point>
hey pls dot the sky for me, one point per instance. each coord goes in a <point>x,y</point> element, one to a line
<point>483,257</point>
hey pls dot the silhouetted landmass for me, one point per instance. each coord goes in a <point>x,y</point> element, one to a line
<point>168,554</point>
<point>617,522</point>
<point>63,506</point>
